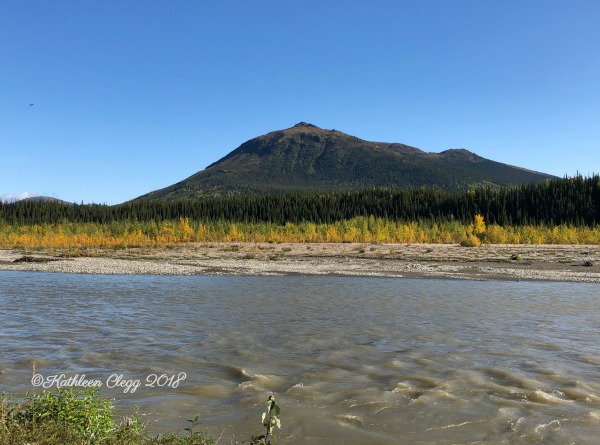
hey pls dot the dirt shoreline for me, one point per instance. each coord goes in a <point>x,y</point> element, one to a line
<point>488,262</point>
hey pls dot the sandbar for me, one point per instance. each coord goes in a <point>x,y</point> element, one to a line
<point>580,263</point>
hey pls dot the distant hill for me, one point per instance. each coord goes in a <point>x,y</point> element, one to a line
<point>44,199</point>
<point>308,158</point>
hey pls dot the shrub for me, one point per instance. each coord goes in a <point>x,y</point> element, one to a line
<point>69,417</point>
<point>471,241</point>
<point>86,413</point>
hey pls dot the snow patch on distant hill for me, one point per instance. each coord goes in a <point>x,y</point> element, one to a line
<point>8,197</point>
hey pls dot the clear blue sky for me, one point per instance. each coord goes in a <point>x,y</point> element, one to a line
<point>131,96</point>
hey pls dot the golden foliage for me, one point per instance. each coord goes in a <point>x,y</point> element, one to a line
<point>124,234</point>
<point>479,225</point>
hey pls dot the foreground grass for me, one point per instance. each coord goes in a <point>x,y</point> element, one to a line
<point>69,417</point>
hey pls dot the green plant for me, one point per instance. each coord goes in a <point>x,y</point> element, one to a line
<point>194,423</point>
<point>85,412</point>
<point>129,430</point>
<point>270,420</point>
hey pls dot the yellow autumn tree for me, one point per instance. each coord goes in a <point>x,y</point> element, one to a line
<point>479,225</point>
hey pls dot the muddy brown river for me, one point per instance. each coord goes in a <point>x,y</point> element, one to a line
<point>349,360</point>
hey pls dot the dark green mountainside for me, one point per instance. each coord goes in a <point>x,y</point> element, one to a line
<point>306,158</point>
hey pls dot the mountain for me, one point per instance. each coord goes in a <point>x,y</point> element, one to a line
<point>44,199</point>
<point>308,158</point>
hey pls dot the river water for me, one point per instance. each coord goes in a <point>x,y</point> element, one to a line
<point>349,360</point>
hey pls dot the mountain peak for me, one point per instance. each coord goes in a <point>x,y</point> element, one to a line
<point>461,154</point>
<point>304,125</point>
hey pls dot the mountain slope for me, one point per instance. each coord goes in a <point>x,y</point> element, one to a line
<point>44,199</point>
<point>308,158</point>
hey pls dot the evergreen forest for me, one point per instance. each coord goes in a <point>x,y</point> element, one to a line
<point>574,201</point>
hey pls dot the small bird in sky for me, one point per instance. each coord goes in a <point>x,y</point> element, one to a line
<point>31,105</point>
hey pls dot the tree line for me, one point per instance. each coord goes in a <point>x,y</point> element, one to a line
<point>568,201</point>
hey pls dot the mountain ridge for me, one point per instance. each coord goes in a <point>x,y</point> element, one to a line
<point>308,158</point>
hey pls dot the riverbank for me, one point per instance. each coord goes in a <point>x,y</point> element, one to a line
<point>489,262</point>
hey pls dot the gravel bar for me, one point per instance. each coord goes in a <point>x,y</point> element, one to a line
<point>488,262</point>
